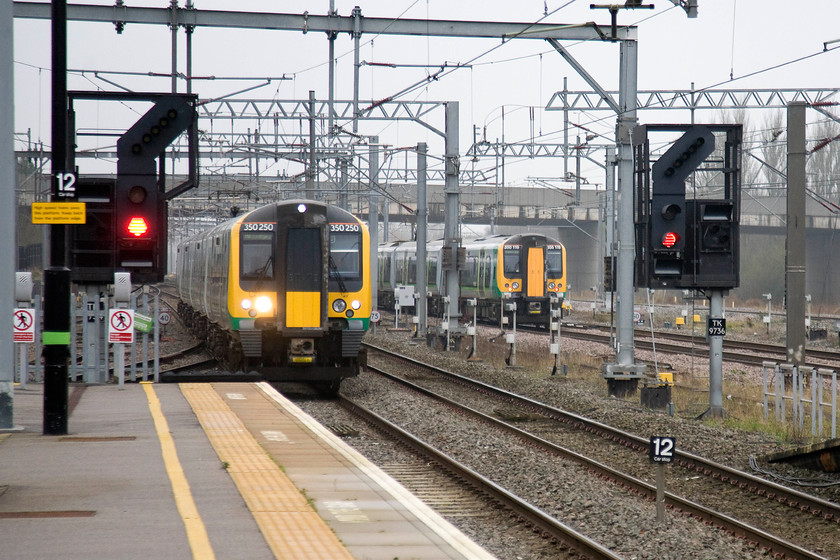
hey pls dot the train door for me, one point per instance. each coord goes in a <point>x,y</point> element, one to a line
<point>535,272</point>
<point>304,277</point>
<point>482,272</point>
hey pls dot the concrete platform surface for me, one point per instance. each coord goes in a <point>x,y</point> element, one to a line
<point>222,470</point>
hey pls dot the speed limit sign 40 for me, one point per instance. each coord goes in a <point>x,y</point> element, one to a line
<point>164,318</point>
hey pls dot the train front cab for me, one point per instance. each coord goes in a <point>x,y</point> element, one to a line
<point>302,302</point>
<point>533,268</point>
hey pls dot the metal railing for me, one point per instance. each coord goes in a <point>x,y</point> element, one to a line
<point>91,355</point>
<point>805,389</point>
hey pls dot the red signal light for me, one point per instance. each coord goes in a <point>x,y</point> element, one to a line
<point>670,239</point>
<point>137,226</point>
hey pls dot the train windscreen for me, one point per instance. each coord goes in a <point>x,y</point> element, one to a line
<point>257,255</point>
<point>511,260</point>
<point>345,257</point>
<point>554,262</point>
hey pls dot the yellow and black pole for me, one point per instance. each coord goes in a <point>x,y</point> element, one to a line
<point>56,335</point>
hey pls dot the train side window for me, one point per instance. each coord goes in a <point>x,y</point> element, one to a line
<point>257,255</point>
<point>412,269</point>
<point>431,279</point>
<point>469,275</point>
<point>399,267</point>
<point>384,269</point>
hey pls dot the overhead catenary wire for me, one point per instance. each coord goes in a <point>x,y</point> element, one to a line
<point>826,49</point>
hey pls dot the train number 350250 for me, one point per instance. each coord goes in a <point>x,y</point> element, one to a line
<point>258,226</point>
<point>345,227</point>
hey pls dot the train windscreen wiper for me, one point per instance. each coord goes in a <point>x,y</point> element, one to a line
<point>263,272</point>
<point>337,275</point>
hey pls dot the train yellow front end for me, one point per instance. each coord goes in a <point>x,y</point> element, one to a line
<point>532,270</point>
<point>286,290</point>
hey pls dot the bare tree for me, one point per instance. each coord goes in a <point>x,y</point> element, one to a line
<point>823,166</point>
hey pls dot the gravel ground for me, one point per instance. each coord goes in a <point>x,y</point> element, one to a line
<point>585,393</point>
<point>620,521</point>
<point>578,393</point>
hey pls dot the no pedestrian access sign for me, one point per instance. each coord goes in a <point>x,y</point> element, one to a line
<point>24,325</point>
<point>121,326</point>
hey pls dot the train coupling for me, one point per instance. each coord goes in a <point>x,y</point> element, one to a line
<point>302,351</point>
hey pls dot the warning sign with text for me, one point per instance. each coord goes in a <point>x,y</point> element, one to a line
<point>121,325</point>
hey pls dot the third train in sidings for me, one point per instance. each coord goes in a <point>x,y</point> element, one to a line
<point>529,267</point>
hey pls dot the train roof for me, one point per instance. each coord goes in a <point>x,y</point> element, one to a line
<point>485,241</point>
<point>268,213</point>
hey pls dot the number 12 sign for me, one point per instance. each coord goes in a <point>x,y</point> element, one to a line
<point>662,449</point>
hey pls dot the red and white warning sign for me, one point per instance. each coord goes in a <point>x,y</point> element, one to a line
<point>24,325</point>
<point>121,325</point>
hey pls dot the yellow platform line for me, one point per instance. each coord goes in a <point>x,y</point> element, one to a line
<point>196,532</point>
<point>291,527</point>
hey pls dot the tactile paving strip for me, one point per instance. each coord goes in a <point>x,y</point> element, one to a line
<point>292,529</point>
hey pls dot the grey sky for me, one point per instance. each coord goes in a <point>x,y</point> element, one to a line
<point>729,38</point>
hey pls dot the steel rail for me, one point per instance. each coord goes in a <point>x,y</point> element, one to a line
<point>531,514</point>
<point>725,522</point>
<point>733,351</point>
<point>756,485</point>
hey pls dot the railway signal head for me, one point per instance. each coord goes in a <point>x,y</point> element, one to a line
<point>667,232</point>
<point>139,198</point>
<point>140,226</point>
<point>714,250</point>
<point>670,239</point>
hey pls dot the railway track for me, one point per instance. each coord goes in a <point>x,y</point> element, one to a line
<point>743,352</point>
<point>547,525</point>
<point>735,351</point>
<point>702,477</point>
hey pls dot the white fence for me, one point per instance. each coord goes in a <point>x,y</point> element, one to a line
<point>804,390</point>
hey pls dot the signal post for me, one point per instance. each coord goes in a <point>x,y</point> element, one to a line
<point>685,242</point>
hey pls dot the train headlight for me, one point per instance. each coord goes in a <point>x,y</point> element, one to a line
<point>339,305</point>
<point>355,304</point>
<point>263,304</point>
<point>246,304</point>
<point>350,314</point>
<point>551,285</point>
<point>516,285</point>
